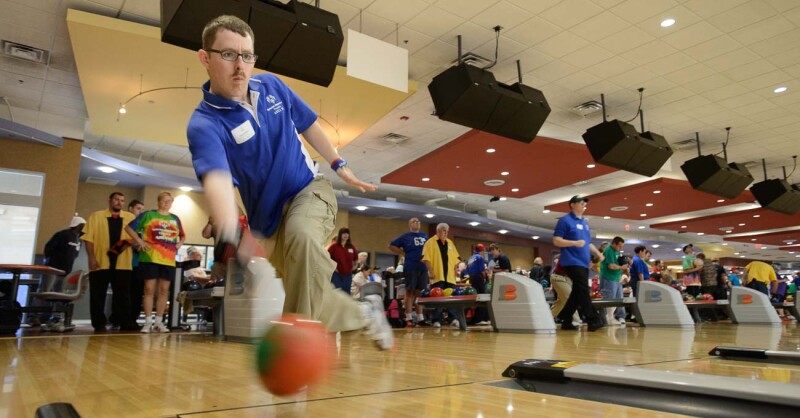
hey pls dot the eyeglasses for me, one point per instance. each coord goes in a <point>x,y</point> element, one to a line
<point>229,55</point>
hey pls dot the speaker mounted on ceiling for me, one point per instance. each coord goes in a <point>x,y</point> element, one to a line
<point>617,144</point>
<point>472,97</point>
<point>293,39</point>
<point>714,175</point>
<point>777,194</point>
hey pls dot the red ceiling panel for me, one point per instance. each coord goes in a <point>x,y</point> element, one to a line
<point>463,165</point>
<point>666,196</point>
<point>754,220</point>
<point>773,238</point>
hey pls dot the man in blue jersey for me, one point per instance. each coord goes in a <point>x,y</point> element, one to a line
<point>246,132</point>
<point>409,246</point>
<point>572,235</point>
<point>476,269</point>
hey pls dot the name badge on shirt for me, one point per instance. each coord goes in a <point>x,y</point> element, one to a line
<point>579,226</point>
<point>243,132</point>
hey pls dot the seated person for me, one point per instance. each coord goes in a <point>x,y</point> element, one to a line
<point>361,278</point>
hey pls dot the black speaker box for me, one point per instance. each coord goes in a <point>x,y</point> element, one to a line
<point>471,96</point>
<point>617,144</point>
<point>777,195</point>
<point>293,39</point>
<point>711,174</point>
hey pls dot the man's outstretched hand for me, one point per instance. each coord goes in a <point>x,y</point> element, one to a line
<point>347,175</point>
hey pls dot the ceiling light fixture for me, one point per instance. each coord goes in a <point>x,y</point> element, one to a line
<point>185,188</point>
<point>361,208</point>
<point>720,200</point>
<point>504,173</point>
<point>107,169</point>
<point>503,199</point>
<point>606,217</point>
<point>426,179</point>
<point>490,150</point>
<point>123,106</point>
<point>515,190</point>
<point>756,216</point>
<point>590,166</point>
<point>780,89</point>
<point>753,239</point>
<point>503,231</point>
<point>648,204</point>
<point>701,233</point>
<point>667,22</point>
<point>429,215</point>
<point>546,211</point>
<point>724,244</point>
<point>656,191</point>
<point>473,223</point>
<point>535,237</point>
<point>643,215</point>
<point>741,224</point>
<point>642,227</point>
<point>655,245</point>
<point>677,249</point>
<point>683,226</point>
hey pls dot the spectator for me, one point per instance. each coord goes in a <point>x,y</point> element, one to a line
<point>160,235</point>
<point>639,269</point>
<point>708,278</point>
<point>60,252</point>
<point>476,270</point>
<point>733,277</point>
<point>692,272</point>
<point>409,247</point>
<point>137,281</point>
<point>344,254</point>
<point>759,275</point>
<point>109,260</point>
<point>611,268</point>
<point>537,271</point>
<point>501,262</point>
<point>441,256</point>
<point>361,278</point>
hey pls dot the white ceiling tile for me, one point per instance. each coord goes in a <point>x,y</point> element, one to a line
<point>346,12</point>
<point>732,59</point>
<point>554,70</point>
<point>725,92</point>
<point>533,31</point>
<point>784,121</point>
<point>708,83</point>
<point>635,11</point>
<point>635,76</point>
<point>568,13</point>
<point>683,17</point>
<point>409,39</point>
<point>577,81</point>
<point>587,56</point>
<point>535,7</point>
<point>762,30</point>
<point>531,59</point>
<point>740,16</point>
<point>749,70</point>
<point>708,8</point>
<point>603,87</point>
<point>607,4</point>
<point>670,63</point>
<point>395,11</point>
<point>504,14</point>
<point>561,44</point>
<point>695,34</point>
<point>371,25</point>
<point>668,96</point>
<point>793,71</point>
<point>435,22</point>
<point>611,67</point>
<point>507,49</point>
<point>788,129</point>
<point>29,17</point>
<point>690,73</point>
<point>472,36</point>
<point>23,34</point>
<point>626,40</point>
<point>766,81</point>
<point>736,102</point>
<point>649,52</point>
<point>712,48</point>
<point>465,8</point>
<point>600,26</point>
<point>150,9</point>
<point>777,44</point>
<point>359,4</point>
<point>789,58</point>
<point>437,52</point>
<point>418,68</point>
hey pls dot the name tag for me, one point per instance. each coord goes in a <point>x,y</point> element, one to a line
<point>243,132</point>
<point>580,227</point>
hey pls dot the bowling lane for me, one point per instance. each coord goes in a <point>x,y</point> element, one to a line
<point>755,371</point>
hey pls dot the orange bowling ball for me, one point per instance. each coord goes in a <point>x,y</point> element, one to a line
<point>294,353</point>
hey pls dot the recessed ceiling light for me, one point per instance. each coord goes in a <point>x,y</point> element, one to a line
<point>720,200</point>
<point>655,245</point>
<point>106,169</point>
<point>728,231</point>
<point>648,204</point>
<point>502,199</point>
<point>490,150</point>
<point>429,215</point>
<point>752,239</point>
<point>741,224</point>
<point>797,256</point>
<point>185,188</point>
<point>724,244</point>
<point>780,89</point>
<point>618,208</point>
<point>535,237</point>
<point>514,190</point>
<point>756,216</point>
<point>683,226</point>
<point>123,110</point>
<point>791,252</point>
<point>642,215</point>
<point>546,211</point>
<point>667,22</point>
<point>590,166</point>
<point>361,208</point>
<point>677,249</point>
<point>736,253</point>
<point>701,233</point>
<point>763,248</point>
<point>503,231</point>
<point>504,173</point>
<point>473,223</point>
<point>641,226</point>
<point>741,256</point>
<point>606,217</point>
<point>426,179</point>
<point>656,191</point>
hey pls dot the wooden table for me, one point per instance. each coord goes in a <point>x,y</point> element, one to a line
<point>18,270</point>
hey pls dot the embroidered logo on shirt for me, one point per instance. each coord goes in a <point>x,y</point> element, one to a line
<point>276,106</point>
<point>243,132</point>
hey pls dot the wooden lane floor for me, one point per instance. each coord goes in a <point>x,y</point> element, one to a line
<point>438,372</point>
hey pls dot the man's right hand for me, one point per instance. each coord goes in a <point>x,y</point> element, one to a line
<point>580,243</point>
<point>92,264</point>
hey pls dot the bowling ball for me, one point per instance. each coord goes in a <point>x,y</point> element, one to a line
<point>210,284</point>
<point>448,291</point>
<point>688,298</point>
<point>436,292</point>
<point>425,293</point>
<point>545,283</point>
<point>469,290</point>
<point>458,291</point>
<point>191,285</point>
<point>489,287</point>
<point>220,283</point>
<point>790,298</point>
<point>597,295</point>
<point>708,296</point>
<point>294,353</point>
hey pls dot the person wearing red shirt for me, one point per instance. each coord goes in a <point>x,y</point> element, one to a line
<point>344,254</point>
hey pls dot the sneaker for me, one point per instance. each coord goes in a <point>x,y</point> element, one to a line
<point>621,321</point>
<point>594,326</point>
<point>377,324</point>
<point>455,324</point>
<point>568,327</point>
<point>424,323</point>
<point>160,327</point>
<point>146,329</point>
<point>437,324</point>
<point>483,323</point>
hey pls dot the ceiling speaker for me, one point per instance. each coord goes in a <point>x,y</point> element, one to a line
<point>617,144</point>
<point>777,195</point>
<point>711,174</point>
<point>470,96</point>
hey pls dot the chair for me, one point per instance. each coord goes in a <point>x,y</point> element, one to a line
<point>74,287</point>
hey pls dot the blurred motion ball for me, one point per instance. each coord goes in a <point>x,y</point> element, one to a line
<point>294,353</point>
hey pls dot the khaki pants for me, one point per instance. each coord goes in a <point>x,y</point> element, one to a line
<point>563,287</point>
<point>299,256</point>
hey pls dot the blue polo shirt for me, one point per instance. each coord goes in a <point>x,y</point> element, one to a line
<point>259,146</point>
<point>476,265</point>
<point>573,228</point>
<point>639,266</point>
<point>412,243</point>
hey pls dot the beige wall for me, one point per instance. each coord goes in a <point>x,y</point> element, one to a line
<point>61,167</point>
<point>93,197</point>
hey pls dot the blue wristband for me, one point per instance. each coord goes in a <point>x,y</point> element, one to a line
<point>338,163</point>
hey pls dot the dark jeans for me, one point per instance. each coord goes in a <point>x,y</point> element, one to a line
<point>342,281</point>
<point>137,293</point>
<point>580,299</point>
<point>757,285</point>
<point>437,313</point>
<point>120,281</point>
<point>479,283</point>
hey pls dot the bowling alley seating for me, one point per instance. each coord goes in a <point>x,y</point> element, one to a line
<point>213,298</point>
<point>75,285</point>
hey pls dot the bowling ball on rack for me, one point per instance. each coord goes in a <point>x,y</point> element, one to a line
<point>459,291</point>
<point>437,292</point>
<point>425,293</point>
<point>294,352</point>
<point>469,290</point>
<point>790,298</point>
<point>191,285</point>
<point>687,297</point>
<point>545,283</point>
<point>708,296</point>
<point>448,291</point>
<point>597,295</point>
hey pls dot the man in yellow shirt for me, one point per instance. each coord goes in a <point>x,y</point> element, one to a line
<point>758,275</point>
<point>110,262</point>
<point>441,257</point>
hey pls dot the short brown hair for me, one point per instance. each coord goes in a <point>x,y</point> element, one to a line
<point>229,22</point>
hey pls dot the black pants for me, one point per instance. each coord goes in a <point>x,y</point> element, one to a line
<point>437,313</point>
<point>137,294</point>
<point>580,299</point>
<point>481,314</point>
<point>120,281</point>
